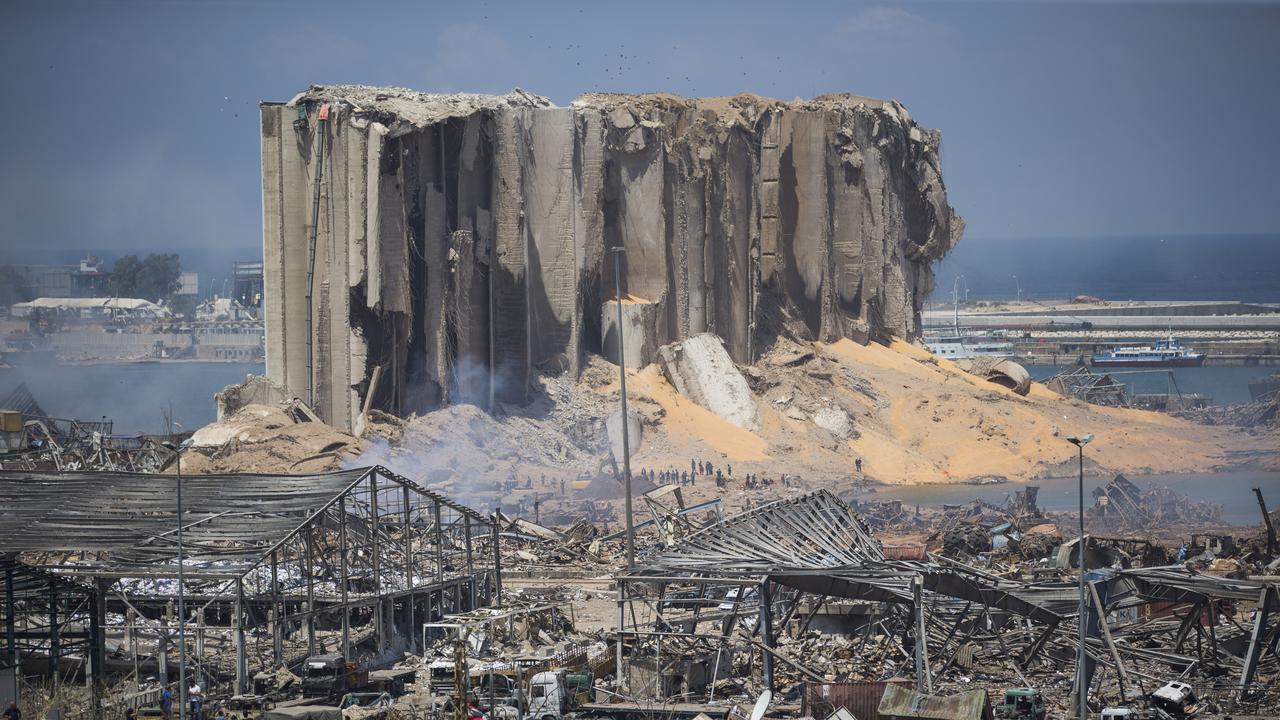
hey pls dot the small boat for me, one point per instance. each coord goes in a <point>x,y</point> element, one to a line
<point>1162,353</point>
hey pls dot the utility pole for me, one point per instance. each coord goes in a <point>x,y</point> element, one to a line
<point>182,610</point>
<point>1082,686</point>
<point>622,384</point>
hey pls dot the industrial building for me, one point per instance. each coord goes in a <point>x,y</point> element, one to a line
<point>274,568</point>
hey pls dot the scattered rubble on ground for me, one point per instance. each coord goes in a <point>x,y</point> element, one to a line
<point>1261,412</point>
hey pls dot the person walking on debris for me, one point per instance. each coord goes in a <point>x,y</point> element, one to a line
<point>12,712</point>
<point>719,479</point>
<point>166,703</point>
<point>561,486</point>
<point>857,463</point>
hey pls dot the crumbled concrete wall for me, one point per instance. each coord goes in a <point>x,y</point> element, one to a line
<point>613,428</point>
<point>255,390</point>
<point>702,371</point>
<point>639,332</point>
<point>463,239</point>
<point>834,420</point>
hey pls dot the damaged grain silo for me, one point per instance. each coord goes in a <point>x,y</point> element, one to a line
<point>439,248</point>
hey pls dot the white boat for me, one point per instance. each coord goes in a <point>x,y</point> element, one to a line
<point>957,343</point>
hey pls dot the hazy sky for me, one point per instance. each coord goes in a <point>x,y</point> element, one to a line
<point>134,124</point>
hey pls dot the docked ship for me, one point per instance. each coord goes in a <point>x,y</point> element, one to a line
<point>960,344</point>
<point>1162,353</point>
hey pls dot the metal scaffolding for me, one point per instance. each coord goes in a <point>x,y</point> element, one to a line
<point>738,585</point>
<point>277,567</point>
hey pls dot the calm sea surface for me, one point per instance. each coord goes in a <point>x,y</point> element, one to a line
<point>135,396</point>
<point>1226,384</point>
<point>1115,268</point>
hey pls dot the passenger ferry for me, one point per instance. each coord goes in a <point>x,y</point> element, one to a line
<point>1163,353</point>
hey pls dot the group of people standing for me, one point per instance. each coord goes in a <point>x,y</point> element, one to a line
<point>686,477</point>
<point>722,476</point>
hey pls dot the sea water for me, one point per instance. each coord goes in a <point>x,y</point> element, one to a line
<point>1231,267</point>
<point>1233,490</point>
<point>137,397</point>
<point>1226,384</point>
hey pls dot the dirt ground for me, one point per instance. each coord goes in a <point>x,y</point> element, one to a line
<point>912,419</point>
<point>918,419</point>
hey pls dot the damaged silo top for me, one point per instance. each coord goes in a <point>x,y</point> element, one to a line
<point>461,240</point>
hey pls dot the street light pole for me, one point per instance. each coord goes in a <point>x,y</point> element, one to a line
<point>182,609</point>
<point>622,384</point>
<point>1081,686</point>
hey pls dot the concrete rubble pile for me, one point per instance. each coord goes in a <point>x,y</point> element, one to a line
<point>700,369</point>
<point>435,249</point>
<point>539,624</point>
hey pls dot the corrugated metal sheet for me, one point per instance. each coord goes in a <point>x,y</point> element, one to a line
<point>907,550</point>
<point>902,702</point>
<point>859,698</point>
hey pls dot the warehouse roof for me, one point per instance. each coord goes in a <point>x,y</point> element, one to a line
<point>123,524</point>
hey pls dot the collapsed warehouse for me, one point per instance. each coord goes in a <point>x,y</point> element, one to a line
<point>797,597</point>
<point>429,249</point>
<point>273,569</point>
<point>799,594</point>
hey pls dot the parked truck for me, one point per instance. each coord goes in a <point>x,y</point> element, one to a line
<point>552,695</point>
<point>1022,704</point>
<point>332,676</point>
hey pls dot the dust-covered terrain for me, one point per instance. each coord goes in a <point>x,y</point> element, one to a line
<point>908,416</point>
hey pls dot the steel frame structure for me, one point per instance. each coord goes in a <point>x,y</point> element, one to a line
<point>810,550</point>
<point>278,567</point>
